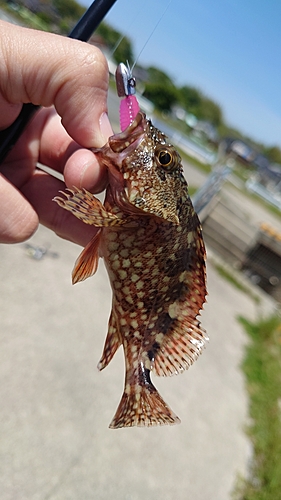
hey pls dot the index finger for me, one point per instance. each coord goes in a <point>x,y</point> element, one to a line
<point>47,69</point>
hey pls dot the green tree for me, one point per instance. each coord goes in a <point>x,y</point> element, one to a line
<point>190,98</point>
<point>110,35</point>
<point>121,46</point>
<point>163,96</point>
<point>123,52</point>
<point>69,9</point>
<point>158,76</point>
<point>273,153</point>
<point>210,111</point>
<point>160,89</point>
<point>201,106</point>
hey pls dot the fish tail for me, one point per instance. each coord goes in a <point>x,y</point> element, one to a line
<point>142,405</point>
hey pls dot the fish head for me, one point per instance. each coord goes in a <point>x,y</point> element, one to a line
<point>145,171</point>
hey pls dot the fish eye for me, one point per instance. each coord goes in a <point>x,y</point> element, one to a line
<point>164,157</point>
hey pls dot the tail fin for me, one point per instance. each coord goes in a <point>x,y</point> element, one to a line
<point>142,406</point>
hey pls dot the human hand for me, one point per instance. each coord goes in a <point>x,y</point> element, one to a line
<point>70,79</point>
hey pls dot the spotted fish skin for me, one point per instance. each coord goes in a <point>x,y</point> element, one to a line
<point>151,241</point>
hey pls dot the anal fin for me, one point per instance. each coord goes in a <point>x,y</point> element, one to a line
<point>112,342</point>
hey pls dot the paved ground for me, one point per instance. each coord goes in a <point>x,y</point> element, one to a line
<point>55,406</point>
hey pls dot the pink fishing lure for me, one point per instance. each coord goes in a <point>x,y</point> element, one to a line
<point>129,108</point>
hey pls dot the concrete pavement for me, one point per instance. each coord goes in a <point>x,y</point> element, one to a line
<point>55,406</point>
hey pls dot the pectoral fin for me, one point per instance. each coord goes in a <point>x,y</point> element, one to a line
<point>86,207</point>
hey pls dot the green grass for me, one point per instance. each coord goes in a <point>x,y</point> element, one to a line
<point>262,369</point>
<point>25,16</point>
<point>192,190</point>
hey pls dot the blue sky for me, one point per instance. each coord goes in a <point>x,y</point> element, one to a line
<point>230,49</point>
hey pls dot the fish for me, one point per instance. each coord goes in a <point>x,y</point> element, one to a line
<point>150,238</point>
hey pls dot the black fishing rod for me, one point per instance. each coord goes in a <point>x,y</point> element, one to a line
<point>82,31</point>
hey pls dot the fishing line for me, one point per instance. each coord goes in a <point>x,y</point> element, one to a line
<point>136,16</point>
<point>148,39</point>
<point>123,36</point>
<point>151,34</point>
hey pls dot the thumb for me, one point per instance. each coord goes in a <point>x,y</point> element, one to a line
<point>48,69</point>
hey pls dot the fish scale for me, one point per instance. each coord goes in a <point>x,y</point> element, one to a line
<point>151,241</point>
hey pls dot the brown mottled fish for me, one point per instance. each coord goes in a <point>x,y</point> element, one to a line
<point>150,238</point>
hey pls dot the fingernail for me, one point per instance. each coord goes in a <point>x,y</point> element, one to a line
<point>88,175</point>
<point>93,177</point>
<point>105,126</point>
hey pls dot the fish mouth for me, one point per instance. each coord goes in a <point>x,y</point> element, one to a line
<point>119,146</point>
<point>130,138</point>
